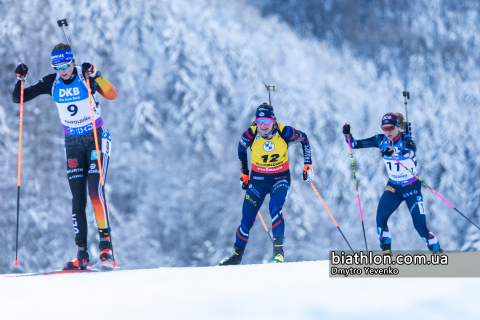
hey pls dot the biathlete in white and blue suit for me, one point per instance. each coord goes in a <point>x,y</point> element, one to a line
<point>68,88</point>
<point>268,141</point>
<point>402,185</point>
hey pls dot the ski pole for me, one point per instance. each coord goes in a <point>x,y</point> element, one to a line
<point>358,195</point>
<point>335,222</point>
<point>99,160</point>
<point>62,23</point>
<point>265,226</point>
<point>22,81</point>
<point>269,88</point>
<point>94,130</point>
<point>426,185</point>
<point>407,125</point>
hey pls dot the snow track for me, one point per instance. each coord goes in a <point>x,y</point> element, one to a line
<point>299,290</point>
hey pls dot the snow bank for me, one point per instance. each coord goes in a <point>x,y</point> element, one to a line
<point>300,290</point>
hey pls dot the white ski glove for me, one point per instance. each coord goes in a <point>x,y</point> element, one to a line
<point>308,173</point>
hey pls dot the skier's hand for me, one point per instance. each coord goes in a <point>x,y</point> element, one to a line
<point>308,173</point>
<point>89,68</point>
<point>389,151</point>
<point>244,181</point>
<point>346,129</point>
<point>21,70</point>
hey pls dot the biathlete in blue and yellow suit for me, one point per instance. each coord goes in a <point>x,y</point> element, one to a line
<point>402,185</point>
<point>268,141</point>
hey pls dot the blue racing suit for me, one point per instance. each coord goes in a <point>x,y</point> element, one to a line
<point>402,186</point>
<point>270,174</point>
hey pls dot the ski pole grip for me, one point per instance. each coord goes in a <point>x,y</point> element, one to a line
<point>62,22</point>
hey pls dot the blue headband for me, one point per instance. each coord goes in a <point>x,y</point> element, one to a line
<point>62,56</point>
<point>264,112</point>
<point>390,118</point>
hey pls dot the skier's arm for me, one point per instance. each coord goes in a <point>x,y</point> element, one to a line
<point>44,86</point>
<point>372,142</point>
<point>296,136</point>
<point>246,141</point>
<point>410,148</point>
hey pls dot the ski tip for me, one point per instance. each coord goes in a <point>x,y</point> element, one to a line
<point>16,263</point>
<point>114,263</point>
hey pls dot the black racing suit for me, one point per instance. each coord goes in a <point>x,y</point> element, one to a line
<point>81,163</point>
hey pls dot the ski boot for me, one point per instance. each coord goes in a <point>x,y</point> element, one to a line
<point>106,255</point>
<point>435,249</point>
<point>386,249</point>
<point>80,262</point>
<point>278,250</point>
<point>235,259</point>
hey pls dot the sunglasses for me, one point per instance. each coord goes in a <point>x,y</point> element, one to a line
<point>388,128</point>
<point>266,121</point>
<point>63,66</point>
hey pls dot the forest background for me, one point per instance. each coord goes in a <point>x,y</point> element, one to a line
<point>189,76</point>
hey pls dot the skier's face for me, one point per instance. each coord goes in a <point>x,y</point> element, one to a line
<point>265,128</point>
<point>67,73</point>
<point>390,131</point>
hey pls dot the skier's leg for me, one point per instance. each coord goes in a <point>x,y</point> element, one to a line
<point>254,196</point>
<point>414,201</point>
<point>77,174</point>
<point>252,202</point>
<point>95,190</point>
<point>77,168</point>
<point>278,195</point>
<point>389,202</point>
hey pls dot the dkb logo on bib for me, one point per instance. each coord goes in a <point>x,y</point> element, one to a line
<point>268,146</point>
<point>68,92</point>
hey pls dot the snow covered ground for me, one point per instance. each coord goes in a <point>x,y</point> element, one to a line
<point>300,290</point>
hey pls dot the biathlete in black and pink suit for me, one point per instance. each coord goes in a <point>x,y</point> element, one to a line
<point>402,185</point>
<point>270,174</point>
<point>68,88</point>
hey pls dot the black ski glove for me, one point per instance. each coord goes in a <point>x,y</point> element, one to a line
<point>389,151</point>
<point>21,70</point>
<point>88,68</point>
<point>244,181</point>
<point>346,129</point>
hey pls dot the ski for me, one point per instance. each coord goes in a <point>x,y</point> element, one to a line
<point>13,275</point>
<point>101,266</point>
